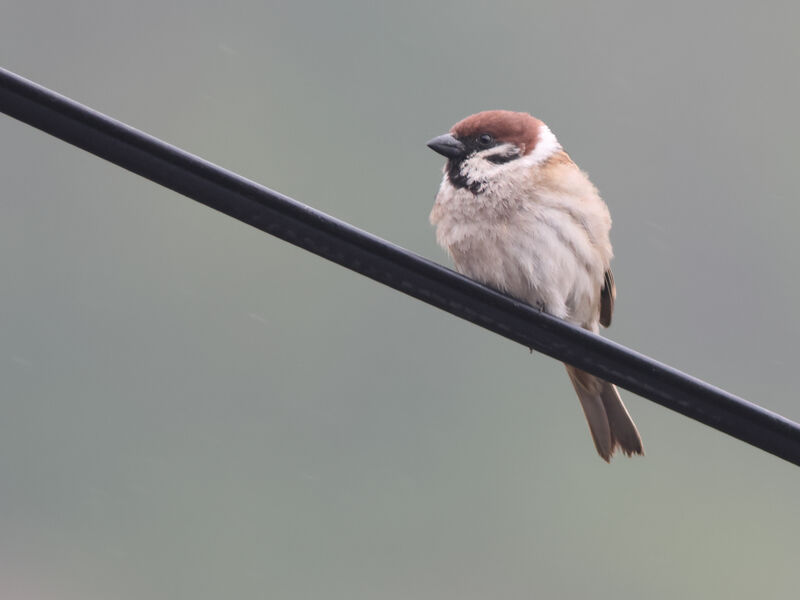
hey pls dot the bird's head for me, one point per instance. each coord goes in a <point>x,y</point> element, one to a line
<point>492,144</point>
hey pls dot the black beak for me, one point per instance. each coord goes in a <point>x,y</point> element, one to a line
<point>448,146</point>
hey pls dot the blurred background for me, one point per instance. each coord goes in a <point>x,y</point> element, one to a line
<point>193,409</point>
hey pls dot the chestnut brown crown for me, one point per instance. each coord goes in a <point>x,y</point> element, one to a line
<point>505,126</point>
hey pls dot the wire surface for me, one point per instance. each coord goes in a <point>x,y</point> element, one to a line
<point>391,265</point>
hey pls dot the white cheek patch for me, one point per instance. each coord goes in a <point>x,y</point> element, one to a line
<point>481,172</point>
<point>478,169</point>
<point>500,154</point>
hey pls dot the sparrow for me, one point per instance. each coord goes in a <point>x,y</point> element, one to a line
<point>516,214</point>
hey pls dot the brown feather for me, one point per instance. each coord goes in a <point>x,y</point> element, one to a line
<point>520,129</point>
<point>607,296</point>
<point>609,422</point>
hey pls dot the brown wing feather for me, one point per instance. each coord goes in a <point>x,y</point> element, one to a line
<point>607,296</point>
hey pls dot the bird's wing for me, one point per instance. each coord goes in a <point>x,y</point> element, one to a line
<point>607,296</point>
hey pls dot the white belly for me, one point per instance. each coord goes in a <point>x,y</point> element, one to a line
<point>540,255</point>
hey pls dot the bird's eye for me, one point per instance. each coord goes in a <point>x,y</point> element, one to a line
<point>485,139</point>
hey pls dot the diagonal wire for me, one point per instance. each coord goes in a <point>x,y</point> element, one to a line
<point>391,265</point>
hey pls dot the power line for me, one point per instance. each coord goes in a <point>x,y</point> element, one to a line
<point>391,265</point>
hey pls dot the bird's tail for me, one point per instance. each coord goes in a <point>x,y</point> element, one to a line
<point>609,422</point>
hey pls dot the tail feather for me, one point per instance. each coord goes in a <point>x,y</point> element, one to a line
<point>623,428</point>
<point>609,422</point>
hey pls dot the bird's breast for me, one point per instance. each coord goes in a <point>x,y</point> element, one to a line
<point>536,250</point>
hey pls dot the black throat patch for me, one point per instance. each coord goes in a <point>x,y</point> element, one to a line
<point>457,179</point>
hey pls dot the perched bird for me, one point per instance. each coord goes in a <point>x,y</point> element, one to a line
<point>515,213</point>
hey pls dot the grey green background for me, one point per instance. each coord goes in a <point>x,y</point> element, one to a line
<point>192,409</point>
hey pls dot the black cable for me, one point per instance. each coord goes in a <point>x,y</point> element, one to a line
<point>391,265</point>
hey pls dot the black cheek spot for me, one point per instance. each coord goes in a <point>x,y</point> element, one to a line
<point>501,159</point>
